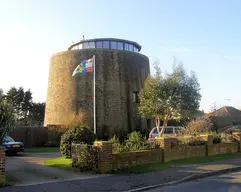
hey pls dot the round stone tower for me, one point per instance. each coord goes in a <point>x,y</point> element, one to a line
<point>120,74</point>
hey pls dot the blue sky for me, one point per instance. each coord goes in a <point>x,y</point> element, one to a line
<point>204,35</point>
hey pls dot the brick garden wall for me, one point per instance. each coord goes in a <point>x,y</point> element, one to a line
<point>2,165</point>
<point>128,159</point>
<point>184,152</point>
<point>169,150</point>
<point>223,148</point>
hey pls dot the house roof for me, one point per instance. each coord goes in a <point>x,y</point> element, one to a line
<point>225,111</point>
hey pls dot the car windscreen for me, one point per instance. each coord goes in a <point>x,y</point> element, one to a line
<point>168,130</point>
<point>154,131</point>
<point>7,139</point>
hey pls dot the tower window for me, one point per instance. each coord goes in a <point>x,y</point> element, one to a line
<point>113,45</point>
<point>86,45</point>
<point>136,98</point>
<point>106,44</point>
<point>120,45</point>
<point>91,45</point>
<point>99,44</point>
<point>126,47</point>
<point>131,47</point>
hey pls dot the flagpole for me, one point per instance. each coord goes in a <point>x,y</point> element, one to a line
<point>94,108</point>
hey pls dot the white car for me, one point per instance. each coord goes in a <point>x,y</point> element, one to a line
<point>169,131</point>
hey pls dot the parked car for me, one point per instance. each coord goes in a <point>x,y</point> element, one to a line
<point>12,146</point>
<point>168,131</point>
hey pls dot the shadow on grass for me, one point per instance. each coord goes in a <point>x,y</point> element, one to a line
<point>61,166</point>
<point>42,150</point>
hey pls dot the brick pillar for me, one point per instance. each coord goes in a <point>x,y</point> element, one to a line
<point>105,156</point>
<point>2,165</point>
<point>237,136</point>
<point>166,142</point>
<point>208,138</point>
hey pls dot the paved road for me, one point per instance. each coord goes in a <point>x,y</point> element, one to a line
<point>117,183</point>
<point>222,183</point>
<point>28,168</point>
<point>127,182</point>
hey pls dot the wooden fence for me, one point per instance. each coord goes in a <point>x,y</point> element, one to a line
<point>37,136</point>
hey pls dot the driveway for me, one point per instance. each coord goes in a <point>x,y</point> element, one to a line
<point>28,168</point>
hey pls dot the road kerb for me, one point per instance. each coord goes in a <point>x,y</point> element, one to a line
<point>59,180</point>
<point>188,178</point>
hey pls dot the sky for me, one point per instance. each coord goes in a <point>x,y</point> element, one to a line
<point>204,35</point>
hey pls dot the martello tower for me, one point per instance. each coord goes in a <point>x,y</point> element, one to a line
<point>120,74</point>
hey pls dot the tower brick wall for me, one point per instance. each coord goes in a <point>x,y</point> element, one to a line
<point>119,73</point>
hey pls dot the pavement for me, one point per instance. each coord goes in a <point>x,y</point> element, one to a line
<point>132,182</point>
<point>222,183</point>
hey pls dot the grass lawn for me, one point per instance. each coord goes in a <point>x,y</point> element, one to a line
<point>59,162</point>
<point>42,149</point>
<point>162,166</point>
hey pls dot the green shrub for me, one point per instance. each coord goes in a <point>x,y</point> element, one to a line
<point>84,157</point>
<point>134,142</point>
<point>216,137</point>
<point>227,138</point>
<point>77,134</point>
<point>135,137</point>
<point>193,141</point>
<point>117,147</point>
<point>114,139</point>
